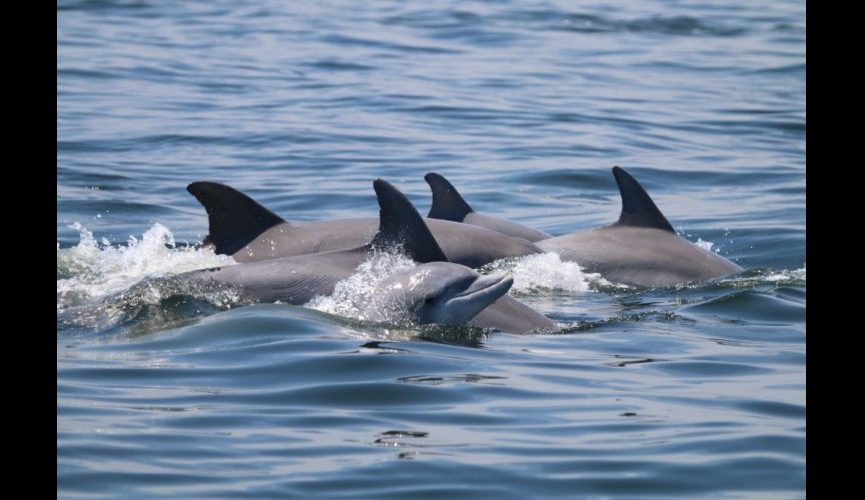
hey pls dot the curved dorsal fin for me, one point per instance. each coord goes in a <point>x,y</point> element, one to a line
<point>234,219</point>
<point>638,209</point>
<point>447,203</point>
<point>401,226</point>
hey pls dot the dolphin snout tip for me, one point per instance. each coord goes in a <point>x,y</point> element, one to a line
<point>503,279</point>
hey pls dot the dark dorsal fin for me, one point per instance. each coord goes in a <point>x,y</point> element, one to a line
<point>447,203</point>
<point>234,219</point>
<point>638,209</point>
<point>401,226</point>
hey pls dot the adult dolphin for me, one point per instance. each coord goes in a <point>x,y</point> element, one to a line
<point>241,227</point>
<point>641,248</point>
<point>436,291</point>
<point>448,204</point>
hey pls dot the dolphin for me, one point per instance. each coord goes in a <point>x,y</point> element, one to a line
<point>641,248</point>
<point>450,294</point>
<point>436,291</point>
<point>241,227</point>
<point>448,204</point>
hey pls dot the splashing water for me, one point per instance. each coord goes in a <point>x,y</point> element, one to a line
<point>353,295</point>
<point>796,275</point>
<point>705,245</point>
<point>547,271</point>
<point>92,270</point>
<point>758,277</point>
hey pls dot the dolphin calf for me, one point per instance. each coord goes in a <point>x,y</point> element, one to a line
<point>241,227</point>
<point>641,248</point>
<point>436,291</point>
<point>448,204</point>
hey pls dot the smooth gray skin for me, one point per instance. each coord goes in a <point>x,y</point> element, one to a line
<point>243,228</point>
<point>505,226</point>
<point>290,280</point>
<point>448,204</point>
<point>510,315</point>
<point>637,256</point>
<point>462,244</point>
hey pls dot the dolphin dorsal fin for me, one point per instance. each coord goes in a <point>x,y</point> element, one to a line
<point>234,219</point>
<point>400,225</point>
<point>447,203</point>
<point>638,209</point>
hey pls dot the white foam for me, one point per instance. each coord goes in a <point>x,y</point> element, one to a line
<point>705,245</point>
<point>91,270</point>
<point>785,275</point>
<point>353,295</point>
<point>547,271</point>
<point>782,277</point>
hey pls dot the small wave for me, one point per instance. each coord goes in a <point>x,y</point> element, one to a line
<point>92,270</point>
<point>794,275</point>
<point>784,277</point>
<point>150,305</point>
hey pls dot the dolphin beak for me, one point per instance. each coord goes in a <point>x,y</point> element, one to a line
<point>482,292</point>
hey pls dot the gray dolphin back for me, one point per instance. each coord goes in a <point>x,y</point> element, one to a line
<point>448,204</point>
<point>510,315</point>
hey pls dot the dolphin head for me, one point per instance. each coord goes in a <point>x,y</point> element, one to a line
<point>441,292</point>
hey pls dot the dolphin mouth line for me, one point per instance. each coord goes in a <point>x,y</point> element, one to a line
<point>496,284</point>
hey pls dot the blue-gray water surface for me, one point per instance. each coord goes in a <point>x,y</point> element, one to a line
<point>688,391</point>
